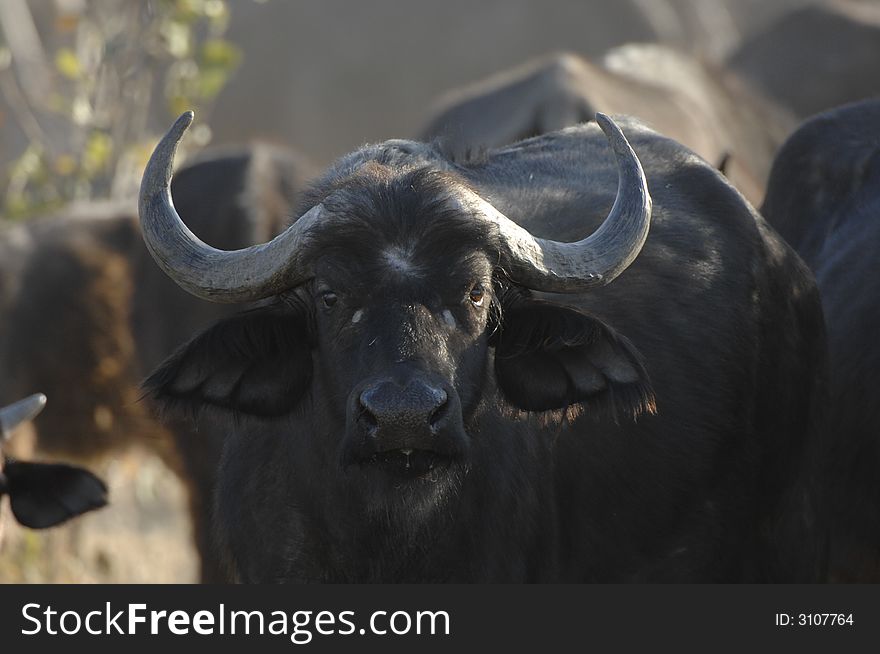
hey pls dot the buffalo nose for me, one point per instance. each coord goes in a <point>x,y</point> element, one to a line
<point>403,410</point>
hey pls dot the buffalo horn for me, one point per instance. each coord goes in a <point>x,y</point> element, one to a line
<point>17,412</point>
<point>216,275</point>
<point>594,261</point>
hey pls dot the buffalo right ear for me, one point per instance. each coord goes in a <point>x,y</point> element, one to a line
<point>258,362</point>
<point>551,357</point>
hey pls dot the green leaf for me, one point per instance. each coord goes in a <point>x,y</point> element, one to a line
<point>99,147</point>
<point>67,64</point>
<point>211,82</point>
<point>220,53</point>
<point>177,104</point>
<point>177,38</point>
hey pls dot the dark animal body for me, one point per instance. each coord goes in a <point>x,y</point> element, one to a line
<point>815,57</point>
<point>43,494</point>
<point>86,314</point>
<point>704,107</point>
<point>405,406</point>
<point>824,198</point>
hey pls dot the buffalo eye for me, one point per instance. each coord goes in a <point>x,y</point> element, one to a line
<point>476,295</point>
<point>328,298</point>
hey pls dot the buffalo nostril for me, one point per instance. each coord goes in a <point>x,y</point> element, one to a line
<point>369,420</point>
<point>440,411</point>
<point>366,418</point>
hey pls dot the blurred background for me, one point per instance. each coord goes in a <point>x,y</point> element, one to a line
<point>86,88</point>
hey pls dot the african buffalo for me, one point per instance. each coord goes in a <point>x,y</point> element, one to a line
<point>815,57</point>
<point>707,109</point>
<point>433,389</point>
<point>44,494</point>
<point>824,198</point>
<point>87,314</point>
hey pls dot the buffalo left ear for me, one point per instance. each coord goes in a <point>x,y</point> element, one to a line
<point>551,357</point>
<point>46,494</point>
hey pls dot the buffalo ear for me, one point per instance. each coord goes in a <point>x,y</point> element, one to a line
<point>552,357</point>
<point>258,362</point>
<point>46,494</point>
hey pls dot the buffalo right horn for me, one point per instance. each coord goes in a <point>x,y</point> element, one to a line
<point>251,273</point>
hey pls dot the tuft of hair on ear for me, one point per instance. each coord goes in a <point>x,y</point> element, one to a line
<point>617,403</point>
<point>625,401</point>
<point>630,399</point>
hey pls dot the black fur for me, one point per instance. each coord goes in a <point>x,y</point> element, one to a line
<point>824,198</point>
<point>522,486</point>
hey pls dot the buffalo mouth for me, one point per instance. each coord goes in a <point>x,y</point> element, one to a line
<point>407,463</point>
<point>404,462</point>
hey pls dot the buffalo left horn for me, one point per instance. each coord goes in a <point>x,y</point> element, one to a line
<point>251,273</point>
<point>556,267</point>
